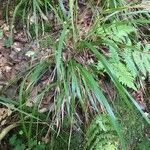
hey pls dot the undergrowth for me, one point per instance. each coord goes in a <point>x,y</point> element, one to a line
<point>88,43</point>
<point>101,134</point>
<point>133,60</point>
<point>134,131</point>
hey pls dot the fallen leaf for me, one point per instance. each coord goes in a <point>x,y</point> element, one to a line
<point>3,61</point>
<point>30,53</point>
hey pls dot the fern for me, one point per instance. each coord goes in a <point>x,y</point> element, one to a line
<point>117,32</point>
<point>101,135</point>
<point>123,75</point>
<point>121,31</point>
<point>127,60</point>
<point>138,61</point>
<point>114,54</point>
<point>127,55</point>
<point>142,61</point>
<point>146,61</point>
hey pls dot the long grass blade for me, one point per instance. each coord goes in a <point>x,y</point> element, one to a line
<point>123,93</point>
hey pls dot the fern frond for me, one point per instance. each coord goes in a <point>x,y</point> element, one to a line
<point>139,62</point>
<point>114,53</point>
<point>128,59</point>
<point>123,75</point>
<point>121,32</point>
<point>101,135</point>
<point>146,61</point>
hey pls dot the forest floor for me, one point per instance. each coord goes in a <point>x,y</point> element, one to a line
<point>16,59</point>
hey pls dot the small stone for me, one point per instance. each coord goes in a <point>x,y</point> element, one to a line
<point>17,46</point>
<point>7,69</point>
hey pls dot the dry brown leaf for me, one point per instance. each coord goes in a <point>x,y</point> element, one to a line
<point>3,61</point>
<point>4,113</point>
<point>5,27</point>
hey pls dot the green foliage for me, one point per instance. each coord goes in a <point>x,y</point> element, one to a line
<point>1,34</point>
<point>138,61</point>
<point>74,85</point>
<point>101,134</point>
<point>127,60</point>
<point>8,42</point>
<point>122,73</point>
<point>133,126</point>
<point>19,144</point>
<point>142,60</point>
<point>61,142</point>
<point>116,31</point>
<point>143,145</point>
<point>130,63</point>
<point>122,91</point>
<point>16,143</point>
<point>32,15</point>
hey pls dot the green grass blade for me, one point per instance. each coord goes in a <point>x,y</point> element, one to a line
<point>58,52</point>
<point>124,94</point>
<point>102,100</point>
